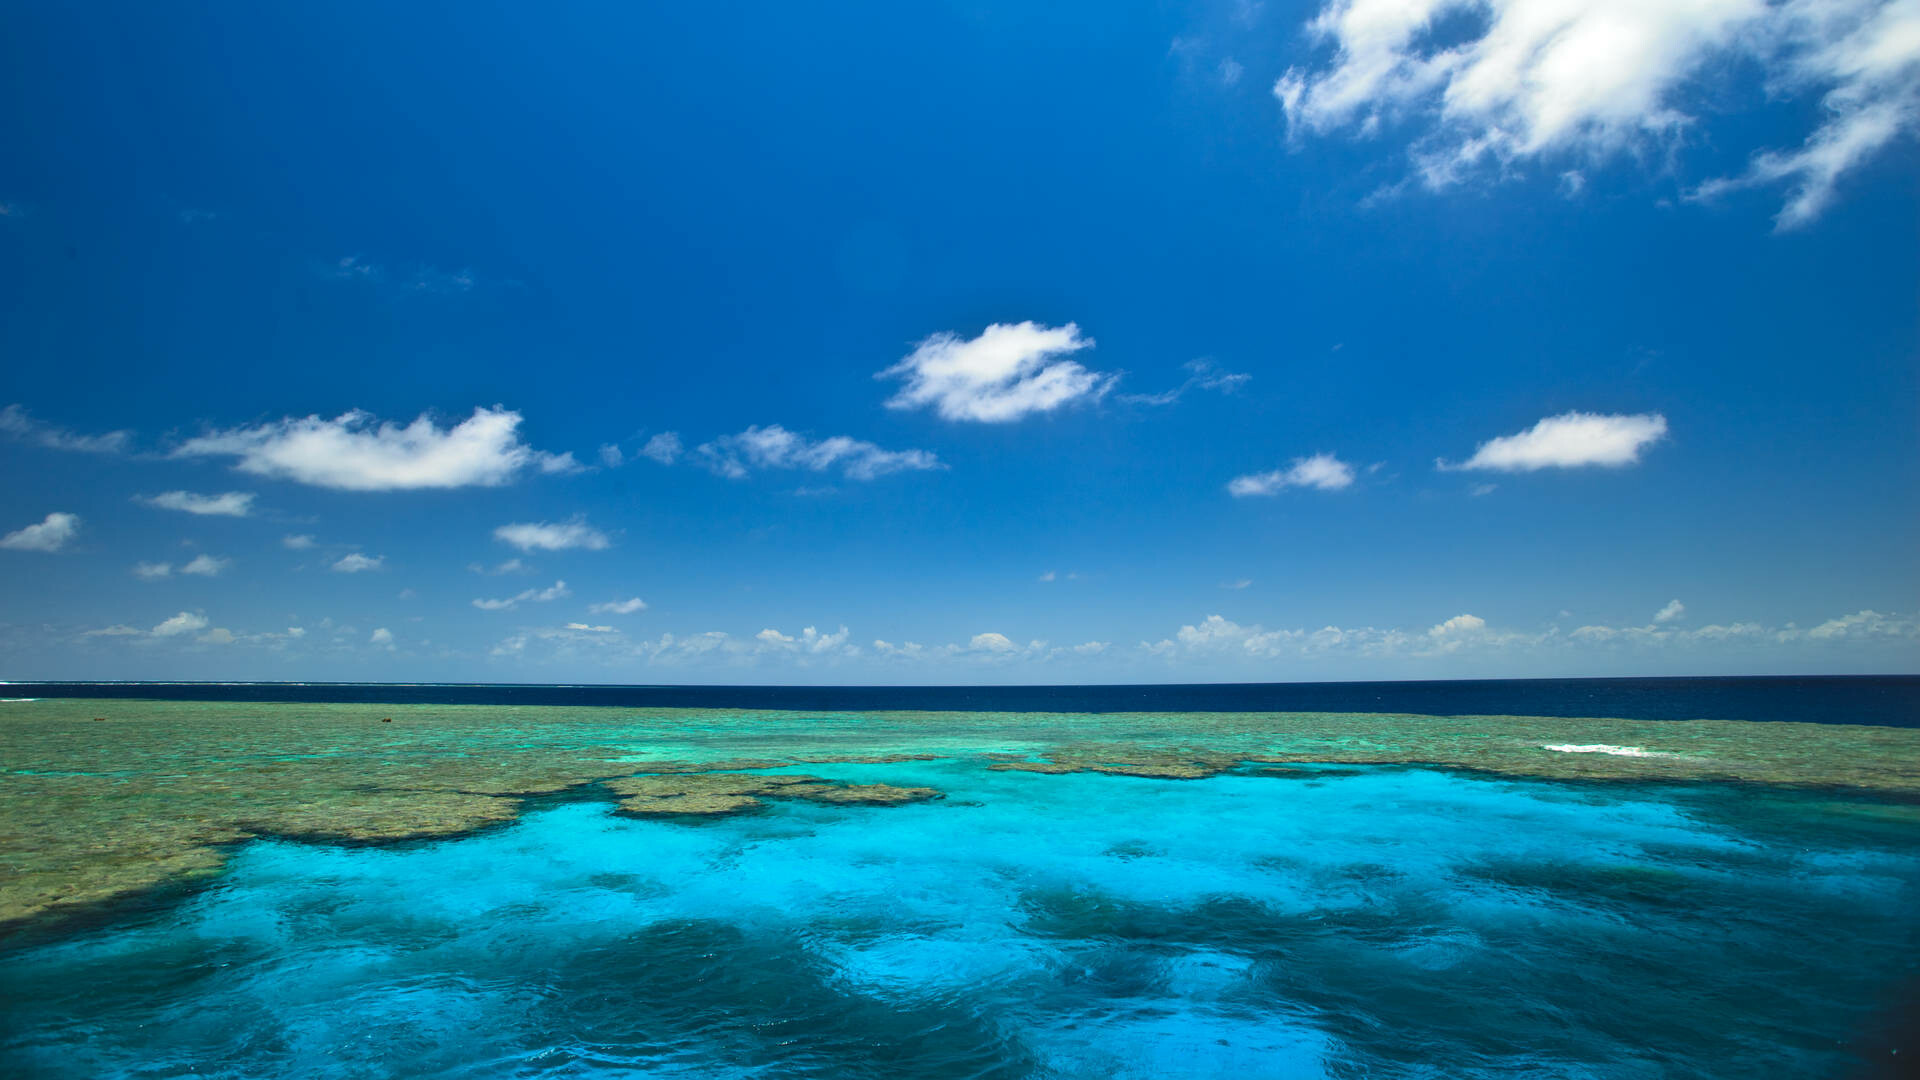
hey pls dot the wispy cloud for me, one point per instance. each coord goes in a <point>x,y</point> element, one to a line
<point>1669,613</point>
<point>1323,472</point>
<point>618,607</point>
<point>774,447</point>
<point>16,424</point>
<point>1203,375</point>
<point>1010,371</point>
<point>1568,441</point>
<point>297,542</point>
<point>664,448</point>
<point>357,452</point>
<point>226,504</point>
<point>1593,80</point>
<point>51,534</point>
<point>152,571</point>
<point>553,536</point>
<point>530,596</point>
<point>416,279</point>
<point>356,563</point>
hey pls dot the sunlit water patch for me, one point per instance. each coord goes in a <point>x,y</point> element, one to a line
<point>1358,922</point>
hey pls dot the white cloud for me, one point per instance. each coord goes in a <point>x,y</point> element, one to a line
<point>1589,80</point>
<point>611,456</point>
<point>356,563</point>
<point>530,596</point>
<point>420,279</point>
<point>774,447</point>
<point>663,448</point>
<point>184,623</point>
<point>553,536</point>
<point>1866,624</point>
<point>1048,576</point>
<point>206,565</point>
<point>225,504</point>
<point>618,607</point>
<point>17,425</point>
<point>1570,440</point>
<point>51,534</point>
<point>510,566</point>
<point>354,452</point>
<point>1672,611</point>
<point>590,629</point>
<point>296,543</point>
<point>1011,370</point>
<point>1240,584</point>
<point>1321,471</point>
<point>381,636</point>
<point>152,571</point>
<point>992,642</point>
<point>810,642</point>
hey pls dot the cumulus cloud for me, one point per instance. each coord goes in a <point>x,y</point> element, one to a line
<point>355,563</point>
<point>553,536</point>
<point>16,424</point>
<point>1011,370</point>
<point>774,447</point>
<point>356,452</point>
<point>530,596</point>
<point>1570,440</point>
<point>612,456</point>
<point>1323,472</point>
<point>381,636</point>
<point>663,448</point>
<point>225,504</point>
<point>1492,86</point>
<point>206,566</point>
<point>51,534</point>
<point>1672,611</point>
<point>618,607</point>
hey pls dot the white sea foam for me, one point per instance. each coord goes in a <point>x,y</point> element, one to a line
<point>6,699</point>
<point>1605,748</point>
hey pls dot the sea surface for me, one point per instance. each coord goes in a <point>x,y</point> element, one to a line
<point>1704,878</point>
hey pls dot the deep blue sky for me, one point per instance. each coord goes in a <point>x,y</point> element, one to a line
<point>617,222</point>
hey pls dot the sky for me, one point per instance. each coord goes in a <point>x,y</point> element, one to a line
<point>971,342</point>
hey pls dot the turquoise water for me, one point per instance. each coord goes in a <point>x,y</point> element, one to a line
<point>1374,922</point>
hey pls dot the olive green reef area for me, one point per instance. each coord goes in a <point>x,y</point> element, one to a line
<point>101,800</point>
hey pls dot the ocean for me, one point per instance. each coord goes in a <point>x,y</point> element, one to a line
<point>1579,879</point>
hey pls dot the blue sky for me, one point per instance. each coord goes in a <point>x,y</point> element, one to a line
<point>962,343</point>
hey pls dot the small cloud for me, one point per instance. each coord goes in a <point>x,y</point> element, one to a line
<point>774,447</point>
<point>511,566</point>
<point>152,571</point>
<point>991,642</point>
<point>1241,584</point>
<point>219,635</point>
<point>296,543</point>
<point>1570,440</point>
<point>1482,490</point>
<point>206,566</point>
<point>226,504</point>
<point>1010,371</point>
<point>584,628</point>
<point>618,607</point>
<point>356,563</point>
<point>663,448</point>
<point>1672,611</point>
<point>1203,375</point>
<point>51,534</point>
<point>546,536</point>
<point>117,630</point>
<point>1323,472</point>
<point>530,596</point>
<point>611,456</point>
<point>1230,71</point>
<point>1048,576</point>
<point>17,425</point>
<point>381,636</point>
<point>184,623</point>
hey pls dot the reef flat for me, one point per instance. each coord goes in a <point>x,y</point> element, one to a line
<point>104,799</point>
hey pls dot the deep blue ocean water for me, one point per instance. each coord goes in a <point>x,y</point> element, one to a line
<point>1887,700</point>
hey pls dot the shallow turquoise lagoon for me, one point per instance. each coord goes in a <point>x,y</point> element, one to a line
<point>1379,922</point>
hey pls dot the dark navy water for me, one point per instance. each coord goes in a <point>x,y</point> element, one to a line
<point>1883,700</point>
